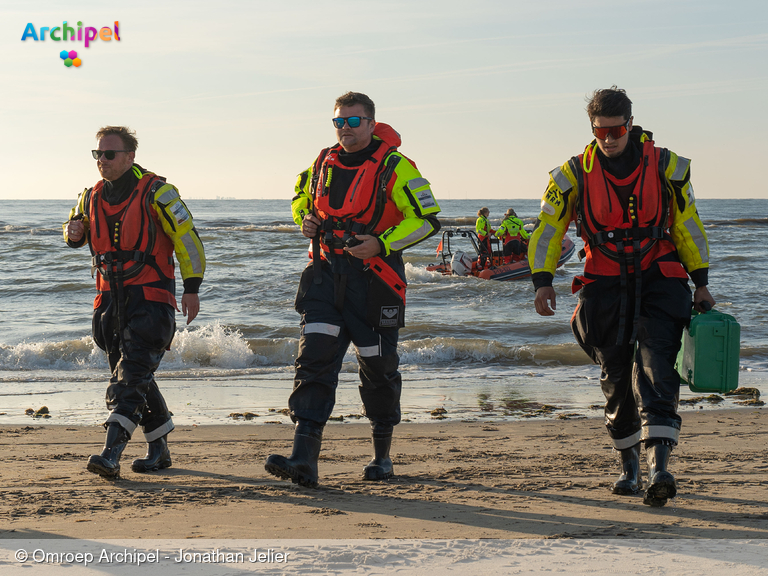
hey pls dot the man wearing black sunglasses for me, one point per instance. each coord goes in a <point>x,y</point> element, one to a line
<point>133,222</point>
<point>634,207</point>
<point>362,203</point>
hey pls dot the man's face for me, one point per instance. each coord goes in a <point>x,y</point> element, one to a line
<point>610,146</point>
<point>112,169</point>
<point>354,139</point>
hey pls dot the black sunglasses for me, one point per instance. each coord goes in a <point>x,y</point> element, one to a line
<point>353,121</point>
<point>109,154</point>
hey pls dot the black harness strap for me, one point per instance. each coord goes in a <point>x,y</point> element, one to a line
<point>623,280</point>
<point>111,259</point>
<point>339,291</point>
<point>317,265</point>
<point>638,289</point>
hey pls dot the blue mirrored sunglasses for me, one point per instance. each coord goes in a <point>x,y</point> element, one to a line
<point>352,121</point>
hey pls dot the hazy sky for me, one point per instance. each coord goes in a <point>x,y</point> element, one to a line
<point>234,98</point>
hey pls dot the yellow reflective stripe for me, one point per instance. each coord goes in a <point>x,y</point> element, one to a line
<point>417,183</point>
<point>168,196</point>
<point>698,238</point>
<point>193,252</point>
<point>542,246</point>
<point>419,234</point>
<point>561,179</point>
<point>407,199</point>
<point>680,169</point>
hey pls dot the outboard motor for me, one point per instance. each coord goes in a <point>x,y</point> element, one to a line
<point>461,264</point>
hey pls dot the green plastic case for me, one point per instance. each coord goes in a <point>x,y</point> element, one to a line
<point>708,360</point>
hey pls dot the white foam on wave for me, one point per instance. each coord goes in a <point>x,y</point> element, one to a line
<point>214,345</point>
<point>65,355</point>
<point>420,275</point>
<point>208,346</point>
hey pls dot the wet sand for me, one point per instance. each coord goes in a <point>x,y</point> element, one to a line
<point>531,479</point>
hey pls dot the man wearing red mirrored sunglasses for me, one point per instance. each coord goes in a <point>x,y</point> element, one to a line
<point>634,207</point>
<point>362,203</point>
<point>134,222</point>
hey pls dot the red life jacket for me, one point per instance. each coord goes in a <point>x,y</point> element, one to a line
<point>367,207</point>
<point>610,229</point>
<point>136,251</point>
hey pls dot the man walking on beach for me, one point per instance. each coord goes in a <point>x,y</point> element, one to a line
<point>634,208</point>
<point>133,222</point>
<point>362,203</point>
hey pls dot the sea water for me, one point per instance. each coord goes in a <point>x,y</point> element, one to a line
<point>473,348</point>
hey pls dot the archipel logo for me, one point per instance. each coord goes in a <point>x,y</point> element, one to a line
<point>66,33</point>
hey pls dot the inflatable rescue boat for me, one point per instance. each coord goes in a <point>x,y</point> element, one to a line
<point>497,267</point>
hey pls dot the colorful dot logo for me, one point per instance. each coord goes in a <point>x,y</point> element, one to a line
<point>70,58</point>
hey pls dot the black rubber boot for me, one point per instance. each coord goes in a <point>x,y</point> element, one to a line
<point>301,467</point>
<point>107,464</point>
<point>380,468</point>
<point>661,484</point>
<point>158,456</point>
<point>629,481</point>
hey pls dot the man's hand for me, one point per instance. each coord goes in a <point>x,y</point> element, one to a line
<point>544,296</point>
<point>368,247</point>
<point>75,230</point>
<point>309,225</point>
<point>702,295</point>
<point>190,306</point>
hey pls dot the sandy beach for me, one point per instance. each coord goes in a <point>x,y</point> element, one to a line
<point>530,479</point>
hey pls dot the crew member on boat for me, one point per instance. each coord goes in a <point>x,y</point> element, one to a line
<point>484,233</point>
<point>514,236</point>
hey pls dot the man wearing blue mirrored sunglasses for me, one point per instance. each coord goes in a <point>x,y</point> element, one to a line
<point>362,203</point>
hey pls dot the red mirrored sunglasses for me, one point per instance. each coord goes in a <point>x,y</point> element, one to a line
<point>616,132</point>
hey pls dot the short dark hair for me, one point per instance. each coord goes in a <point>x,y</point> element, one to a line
<point>609,102</point>
<point>352,98</point>
<point>128,136</point>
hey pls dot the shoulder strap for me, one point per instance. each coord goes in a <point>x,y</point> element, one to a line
<point>575,165</point>
<point>316,169</point>
<point>385,172</point>
<point>669,190</point>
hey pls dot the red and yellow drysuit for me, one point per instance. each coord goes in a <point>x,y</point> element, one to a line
<point>643,238</point>
<point>512,234</point>
<point>132,243</point>
<point>343,299</point>
<point>484,232</point>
